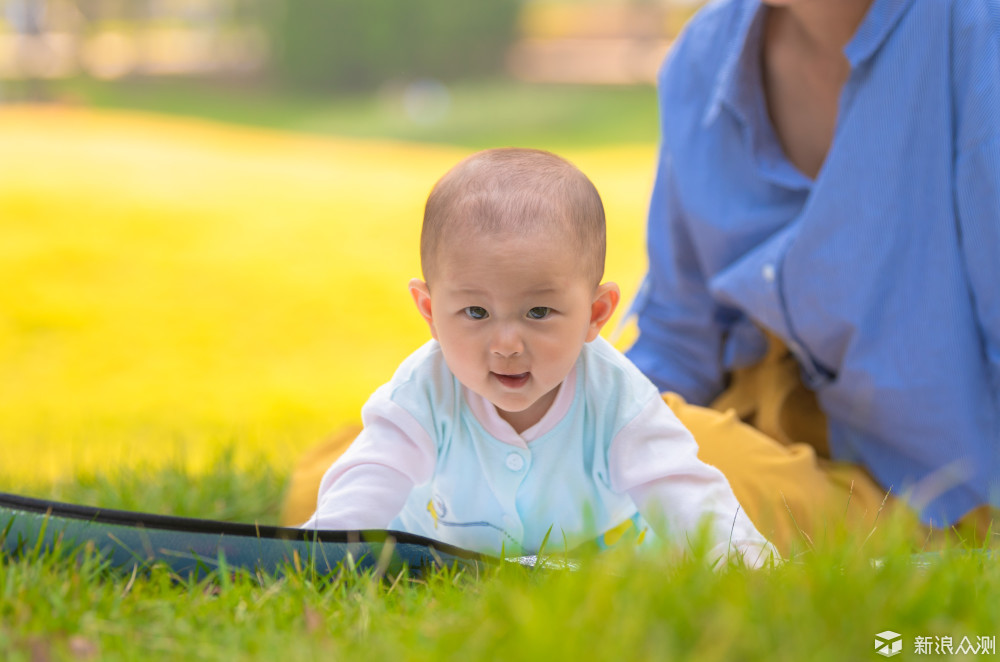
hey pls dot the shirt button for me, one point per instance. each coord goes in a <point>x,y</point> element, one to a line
<point>768,273</point>
<point>515,462</point>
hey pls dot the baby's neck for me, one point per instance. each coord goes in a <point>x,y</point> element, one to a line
<point>527,418</point>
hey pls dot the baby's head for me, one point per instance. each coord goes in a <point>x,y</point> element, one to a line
<point>512,251</point>
<point>519,192</point>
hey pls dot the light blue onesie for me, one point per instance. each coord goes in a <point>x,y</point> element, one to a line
<point>436,459</point>
<point>486,493</point>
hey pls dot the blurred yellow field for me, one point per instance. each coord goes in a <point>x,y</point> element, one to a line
<point>174,286</point>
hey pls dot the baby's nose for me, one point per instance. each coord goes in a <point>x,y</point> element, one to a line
<point>506,342</point>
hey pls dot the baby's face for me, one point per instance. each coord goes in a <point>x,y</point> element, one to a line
<point>511,314</point>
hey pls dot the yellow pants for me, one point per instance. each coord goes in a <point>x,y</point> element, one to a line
<point>767,434</point>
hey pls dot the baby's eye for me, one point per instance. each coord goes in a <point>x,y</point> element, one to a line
<point>539,312</point>
<point>476,313</point>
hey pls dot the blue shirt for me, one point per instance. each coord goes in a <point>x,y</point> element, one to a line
<point>882,275</point>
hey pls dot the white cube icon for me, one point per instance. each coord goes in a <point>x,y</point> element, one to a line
<point>888,643</point>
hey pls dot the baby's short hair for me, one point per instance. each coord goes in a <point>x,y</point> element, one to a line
<point>518,191</point>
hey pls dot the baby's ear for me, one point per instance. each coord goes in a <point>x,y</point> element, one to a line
<point>422,297</point>
<point>605,302</point>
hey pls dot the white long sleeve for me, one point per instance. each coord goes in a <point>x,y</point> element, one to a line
<point>655,460</point>
<point>368,486</point>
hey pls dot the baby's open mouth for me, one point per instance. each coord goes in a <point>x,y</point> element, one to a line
<point>513,381</point>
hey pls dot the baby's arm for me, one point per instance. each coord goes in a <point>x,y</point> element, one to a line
<point>368,486</point>
<point>655,460</point>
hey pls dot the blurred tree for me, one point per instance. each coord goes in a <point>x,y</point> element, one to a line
<point>359,44</point>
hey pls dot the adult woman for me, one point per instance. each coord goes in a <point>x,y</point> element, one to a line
<point>827,205</point>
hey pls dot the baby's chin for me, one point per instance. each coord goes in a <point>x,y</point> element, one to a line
<point>511,405</point>
<point>520,403</point>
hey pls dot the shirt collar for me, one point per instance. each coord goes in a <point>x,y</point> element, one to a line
<point>739,75</point>
<point>732,87</point>
<point>882,17</point>
<point>487,415</point>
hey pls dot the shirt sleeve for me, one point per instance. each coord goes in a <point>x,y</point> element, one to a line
<point>680,336</point>
<point>976,63</point>
<point>655,460</point>
<point>369,484</point>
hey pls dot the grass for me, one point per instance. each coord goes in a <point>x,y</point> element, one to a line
<point>221,490</point>
<point>475,114</point>
<point>825,605</point>
<point>189,305</point>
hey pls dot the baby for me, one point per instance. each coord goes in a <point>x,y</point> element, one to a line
<point>517,421</point>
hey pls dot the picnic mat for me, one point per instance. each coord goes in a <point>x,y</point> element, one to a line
<point>198,547</point>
